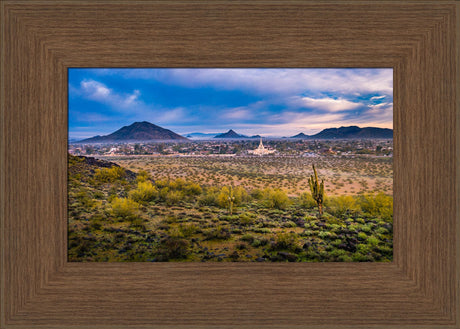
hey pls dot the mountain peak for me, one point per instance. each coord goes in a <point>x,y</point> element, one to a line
<point>230,134</point>
<point>137,131</point>
<point>350,132</point>
<point>300,135</point>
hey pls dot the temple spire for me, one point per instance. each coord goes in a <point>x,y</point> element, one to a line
<point>261,150</point>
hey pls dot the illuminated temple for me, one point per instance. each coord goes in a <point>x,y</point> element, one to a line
<point>261,150</point>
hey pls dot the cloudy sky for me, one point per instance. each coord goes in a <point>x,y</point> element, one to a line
<point>268,102</point>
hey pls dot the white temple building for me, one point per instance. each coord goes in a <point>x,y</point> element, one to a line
<point>261,150</point>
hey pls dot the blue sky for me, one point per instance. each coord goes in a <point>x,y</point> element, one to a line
<point>268,102</point>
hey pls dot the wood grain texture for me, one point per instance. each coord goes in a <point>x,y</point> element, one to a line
<point>41,39</point>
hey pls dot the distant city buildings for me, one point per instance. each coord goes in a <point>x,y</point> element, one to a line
<point>240,148</point>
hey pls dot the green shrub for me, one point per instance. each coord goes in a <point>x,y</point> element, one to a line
<point>177,184</point>
<point>143,176</point>
<point>277,198</point>
<point>365,228</point>
<point>124,208</point>
<point>289,223</point>
<point>336,253</point>
<point>174,197</point>
<point>335,227</point>
<point>379,205</point>
<point>217,233</point>
<point>145,192</point>
<point>241,246</point>
<point>247,218</point>
<point>261,241</point>
<point>175,232</point>
<point>172,247</point>
<point>163,193</point>
<point>364,248</point>
<point>209,197</point>
<point>372,240</point>
<point>257,194</point>
<point>162,183</point>
<point>247,238</point>
<point>337,242</point>
<point>225,196</point>
<point>84,197</point>
<point>98,195</point>
<point>188,229</point>
<point>240,195</point>
<point>359,257</point>
<point>343,206</point>
<point>138,223</point>
<point>109,175</point>
<point>306,201</point>
<point>95,225</point>
<point>381,230</point>
<point>193,189</point>
<point>345,258</point>
<point>307,233</point>
<point>286,241</point>
<point>263,230</point>
<point>324,234</point>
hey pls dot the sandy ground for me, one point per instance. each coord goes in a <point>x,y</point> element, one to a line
<point>341,175</point>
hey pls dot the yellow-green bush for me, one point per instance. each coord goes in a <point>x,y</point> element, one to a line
<point>343,206</point>
<point>209,197</point>
<point>223,197</point>
<point>161,183</point>
<point>247,219</point>
<point>241,195</point>
<point>193,189</point>
<point>257,194</point>
<point>276,198</point>
<point>286,241</point>
<point>109,175</point>
<point>177,184</point>
<point>307,201</point>
<point>145,192</point>
<point>124,208</point>
<point>180,184</point>
<point>143,176</point>
<point>217,233</point>
<point>379,205</point>
<point>188,229</point>
<point>163,193</point>
<point>174,197</point>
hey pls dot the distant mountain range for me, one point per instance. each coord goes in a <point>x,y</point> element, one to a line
<point>201,135</point>
<point>351,132</point>
<point>146,131</point>
<point>138,131</point>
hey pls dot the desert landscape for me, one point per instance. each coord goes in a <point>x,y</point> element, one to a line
<point>231,207</point>
<point>230,165</point>
<point>342,175</point>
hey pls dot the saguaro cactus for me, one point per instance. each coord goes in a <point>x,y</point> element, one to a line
<point>317,190</point>
<point>230,199</point>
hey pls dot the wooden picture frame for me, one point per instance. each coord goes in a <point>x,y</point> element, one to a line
<point>41,39</point>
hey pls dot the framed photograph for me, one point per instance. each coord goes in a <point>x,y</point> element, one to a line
<point>240,165</point>
<point>105,112</point>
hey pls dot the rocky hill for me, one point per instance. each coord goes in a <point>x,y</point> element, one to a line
<point>138,131</point>
<point>350,132</point>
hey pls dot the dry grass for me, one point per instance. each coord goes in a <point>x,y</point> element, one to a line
<point>349,176</point>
